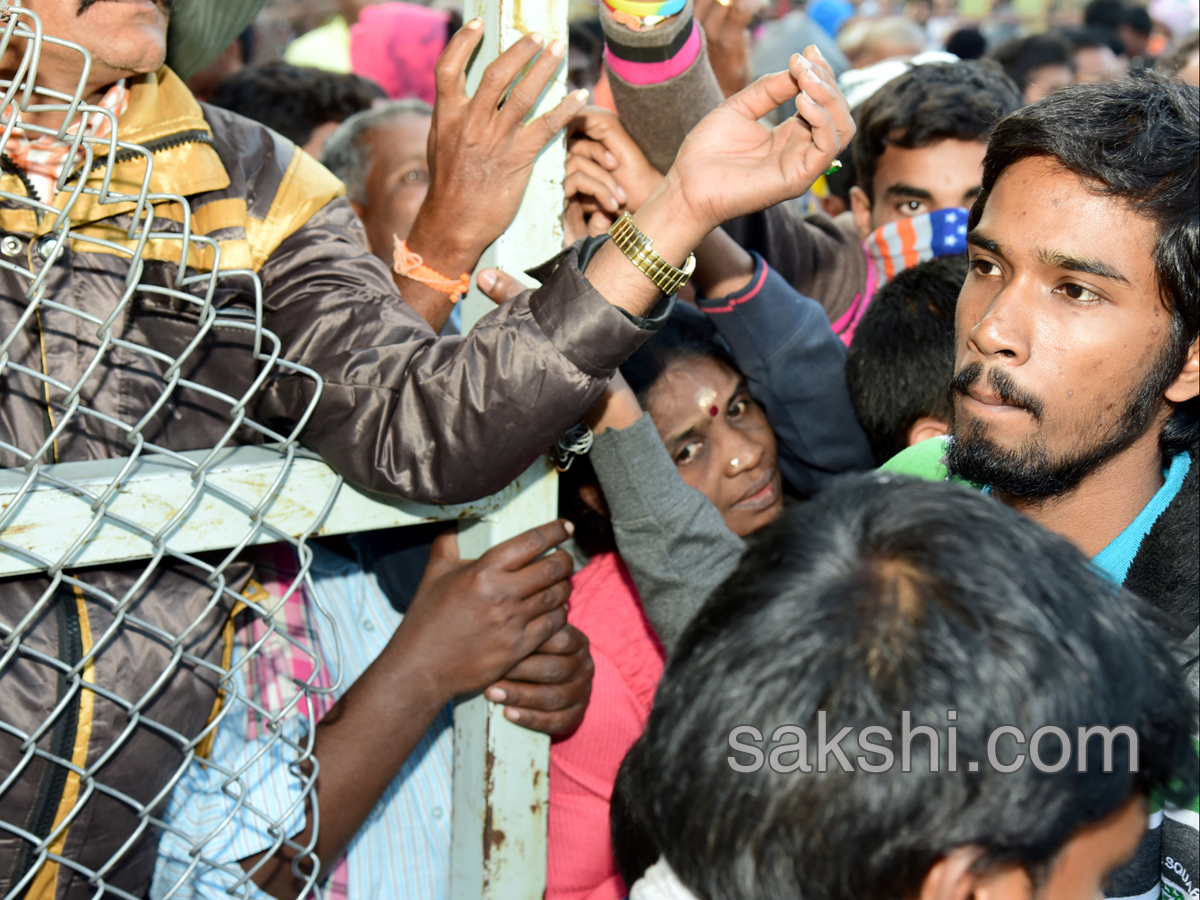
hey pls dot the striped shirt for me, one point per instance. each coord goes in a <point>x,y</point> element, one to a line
<point>403,849</point>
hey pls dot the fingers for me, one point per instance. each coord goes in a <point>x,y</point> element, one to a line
<point>586,177</point>
<point>764,95</point>
<point>814,55</point>
<point>524,95</point>
<point>559,659</point>
<point>590,149</point>
<point>818,85</point>
<point>450,75</point>
<point>540,576</point>
<point>602,126</point>
<point>543,129</point>
<point>504,69</point>
<point>499,287</point>
<point>520,551</point>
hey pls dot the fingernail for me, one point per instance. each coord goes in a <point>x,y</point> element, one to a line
<point>568,526</point>
<point>819,53</point>
<point>609,159</point>
<point>496,695</point>
<point>512,715</point>
<point>805,64</point>
<point>581,95</point>
<point>536,37</point>
<point>486,279</point>
<point>621,194</point>
<point>475,24</point>
<point>556,47</point>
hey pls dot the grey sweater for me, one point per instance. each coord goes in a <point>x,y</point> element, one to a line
<point>672,539</point>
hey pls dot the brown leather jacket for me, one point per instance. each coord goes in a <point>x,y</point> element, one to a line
<point>401,412</point>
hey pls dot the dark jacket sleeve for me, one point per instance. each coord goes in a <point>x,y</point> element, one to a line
<point>796,368</point>
<point>818,256</point>
<point>402,411</point>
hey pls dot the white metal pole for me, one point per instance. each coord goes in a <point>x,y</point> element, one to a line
<point>501,770</point>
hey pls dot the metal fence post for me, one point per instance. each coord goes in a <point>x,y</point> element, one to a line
<point>501,777</point>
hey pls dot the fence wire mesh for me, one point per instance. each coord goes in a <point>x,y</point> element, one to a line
<point>114,680</point>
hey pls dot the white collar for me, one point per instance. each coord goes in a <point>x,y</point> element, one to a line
<point>659,882</point>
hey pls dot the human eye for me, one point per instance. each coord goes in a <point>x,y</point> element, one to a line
<point>688,452</point>
<point>912,208</point>
<point>984,267</point>
<point>1079,294</point>
<point>739,407</point>
<point>416,176</point>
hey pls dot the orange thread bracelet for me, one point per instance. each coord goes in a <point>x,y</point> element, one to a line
<point>410,265</point>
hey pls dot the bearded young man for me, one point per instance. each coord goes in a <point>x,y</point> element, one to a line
<point>1077,370</point>
<point>399,410</point>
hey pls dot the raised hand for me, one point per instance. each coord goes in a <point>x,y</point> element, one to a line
<point>732,164</point>
<point>481,154</point>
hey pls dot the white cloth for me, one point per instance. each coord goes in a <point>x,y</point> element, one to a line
<point>659,882</point>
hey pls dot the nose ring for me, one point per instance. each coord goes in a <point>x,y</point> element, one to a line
<point>734,462</point>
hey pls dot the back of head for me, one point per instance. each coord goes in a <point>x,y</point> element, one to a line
<point>1093,36</point>
<point>1020,57</point>
<point>931,103</point>
<point>967,43</point>
<point>881,602</point>
<point>902,357</point>
<point>1104,14</point>
<point>294,100</point>
<point>1138,140</point>
<point>890,37</point>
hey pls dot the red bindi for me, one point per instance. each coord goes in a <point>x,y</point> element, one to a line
<point>712,411</point>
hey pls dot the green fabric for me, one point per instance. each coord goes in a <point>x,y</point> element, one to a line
<point>201,29</point>
<point>923,460</point>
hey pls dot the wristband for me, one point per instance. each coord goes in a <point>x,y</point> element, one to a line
<point>410,265</point>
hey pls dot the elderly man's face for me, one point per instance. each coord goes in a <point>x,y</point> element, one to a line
<point>397,180</point>
<point>124,38</point>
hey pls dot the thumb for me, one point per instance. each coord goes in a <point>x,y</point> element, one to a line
<point>444,550</point>
<point>498,286</point>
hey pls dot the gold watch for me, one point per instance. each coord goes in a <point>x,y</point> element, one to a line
<point>638,248</point>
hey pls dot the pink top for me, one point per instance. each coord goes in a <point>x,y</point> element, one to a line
<point>583,767</point>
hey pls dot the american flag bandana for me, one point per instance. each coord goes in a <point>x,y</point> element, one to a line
<point>43,158</point>
<point>901,245</point>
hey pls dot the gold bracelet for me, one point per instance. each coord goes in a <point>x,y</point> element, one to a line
<point>639,250</point>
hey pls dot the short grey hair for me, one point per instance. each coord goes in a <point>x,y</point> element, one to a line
<point>345,153</point>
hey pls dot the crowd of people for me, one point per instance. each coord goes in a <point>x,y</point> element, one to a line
<point>892,450</point>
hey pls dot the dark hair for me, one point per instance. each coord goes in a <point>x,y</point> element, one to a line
<point>902,357</point>
<point>1104,14</point>
<point>1137,140</point>
<point>687,334</point>
<point>1021,57</point>
<point>883,595</point>
<point>1092,37</point>
<point>294,100</point>
<point>1137,18</point>
<point>967,43</point>
<point>932,103</point>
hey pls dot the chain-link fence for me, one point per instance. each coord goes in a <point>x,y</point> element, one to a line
<point>124,336</point>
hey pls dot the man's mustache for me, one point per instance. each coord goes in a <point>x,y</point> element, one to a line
<point>1002,383</point>
<point>168,6</point>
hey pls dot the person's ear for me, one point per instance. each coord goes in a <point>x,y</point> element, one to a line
<point>925,428</point>
<point>1187,385</point>
<point>860,205</point>
<point>951,878</point>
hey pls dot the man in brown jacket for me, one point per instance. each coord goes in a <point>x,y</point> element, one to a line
<point>109,348</point>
